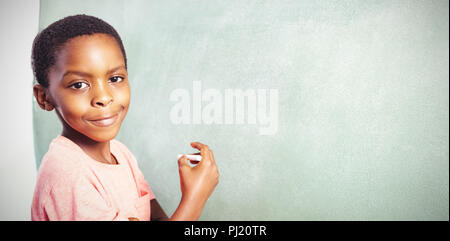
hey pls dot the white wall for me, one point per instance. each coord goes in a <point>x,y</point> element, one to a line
<point>18,25</point>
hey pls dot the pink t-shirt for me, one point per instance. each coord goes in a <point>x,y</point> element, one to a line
<point>73,186</point>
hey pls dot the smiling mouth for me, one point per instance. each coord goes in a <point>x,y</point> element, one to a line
<point>105,122</point>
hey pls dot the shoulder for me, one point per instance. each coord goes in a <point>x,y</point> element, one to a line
<point>123,150</point>
<point>120,146</point>
<point>61,165</point>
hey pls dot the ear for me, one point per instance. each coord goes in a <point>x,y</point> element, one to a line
<point>43,100</point>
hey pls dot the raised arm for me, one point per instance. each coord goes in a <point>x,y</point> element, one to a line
<point>197,184</point>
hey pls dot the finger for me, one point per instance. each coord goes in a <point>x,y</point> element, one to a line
<point>201,147</point>
<point>197,145</point>
<point>211,157</point>
<point>207,152</point>
<point>208,156</point>
<point>182,162</point>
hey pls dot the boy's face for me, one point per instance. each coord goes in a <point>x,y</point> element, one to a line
<point>88,86</point>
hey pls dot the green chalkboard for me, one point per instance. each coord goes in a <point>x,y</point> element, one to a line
<point>315,110</point>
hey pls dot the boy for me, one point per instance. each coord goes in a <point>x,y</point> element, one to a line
<point>80,65</point>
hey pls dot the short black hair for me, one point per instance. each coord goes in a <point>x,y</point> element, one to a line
<point>47,43</point>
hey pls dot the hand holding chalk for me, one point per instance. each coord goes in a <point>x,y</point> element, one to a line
<point>197,183</point>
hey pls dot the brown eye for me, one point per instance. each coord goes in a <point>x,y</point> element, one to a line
<point>79,85</point>
<point>116,79</point>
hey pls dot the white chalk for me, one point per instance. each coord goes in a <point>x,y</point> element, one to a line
<point>191,157</point>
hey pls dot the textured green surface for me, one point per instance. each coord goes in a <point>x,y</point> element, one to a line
<point>363,103</point>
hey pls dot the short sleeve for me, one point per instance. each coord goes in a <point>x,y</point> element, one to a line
<point>79,200</point>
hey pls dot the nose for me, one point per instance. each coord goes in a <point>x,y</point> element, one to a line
<point>102,96</point>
